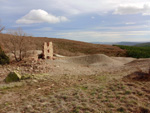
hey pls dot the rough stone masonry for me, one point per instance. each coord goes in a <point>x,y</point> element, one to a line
<point>48,50</point>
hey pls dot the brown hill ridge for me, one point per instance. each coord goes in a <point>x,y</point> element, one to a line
<point>69,47</point>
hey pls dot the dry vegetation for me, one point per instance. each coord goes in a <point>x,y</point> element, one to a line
<point>18,44</point>
<point>106,93</point>
<point>109,91</point>
<point>69,47</point>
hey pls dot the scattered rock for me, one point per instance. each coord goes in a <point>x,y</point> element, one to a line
<point>26,76</point>
<point>35,81</point>
<point>18,69</point>
<point>39,89</point>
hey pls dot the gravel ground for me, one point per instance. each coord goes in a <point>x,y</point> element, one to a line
<point>81,65</point>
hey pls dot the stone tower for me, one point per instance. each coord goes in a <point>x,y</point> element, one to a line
<point>48,50</point>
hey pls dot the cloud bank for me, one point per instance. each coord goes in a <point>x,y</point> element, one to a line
<point>133,9</point>
<point>101,6</point>
<point>40,16</point>
<point>107,36</point>
<point>71,7</point>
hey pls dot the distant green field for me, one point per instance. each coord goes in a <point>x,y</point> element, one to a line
<point>136,52</point>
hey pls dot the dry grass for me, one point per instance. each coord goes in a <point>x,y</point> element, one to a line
<point>77,94</point>
<point>69,47</point>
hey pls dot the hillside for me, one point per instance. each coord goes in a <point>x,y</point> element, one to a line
<point>70,47</point>
<point>118,43</point>
<point>143,44</point>
<point>128,43</point>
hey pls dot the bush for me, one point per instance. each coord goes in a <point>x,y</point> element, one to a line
<point>3,58</point>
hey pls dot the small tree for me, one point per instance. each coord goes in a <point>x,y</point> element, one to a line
<point>18,44</point>
<point>1,28</point>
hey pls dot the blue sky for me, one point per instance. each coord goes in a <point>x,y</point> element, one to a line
<point>83,20</point>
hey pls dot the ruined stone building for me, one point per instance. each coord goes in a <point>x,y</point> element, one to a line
<point>48,50</point>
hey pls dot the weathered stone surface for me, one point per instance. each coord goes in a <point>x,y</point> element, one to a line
<point>48,50</point>
<point>12,77</point>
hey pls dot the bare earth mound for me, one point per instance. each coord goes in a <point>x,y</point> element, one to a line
<point>95,60</point>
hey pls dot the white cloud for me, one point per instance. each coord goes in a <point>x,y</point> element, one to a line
<point>133,9</point>
<point>130,23</point>
<point>40,16</point>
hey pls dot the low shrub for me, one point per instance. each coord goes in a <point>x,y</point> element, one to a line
<point>4,59</point>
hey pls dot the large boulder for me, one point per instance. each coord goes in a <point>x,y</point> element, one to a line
<point>13,77</point>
